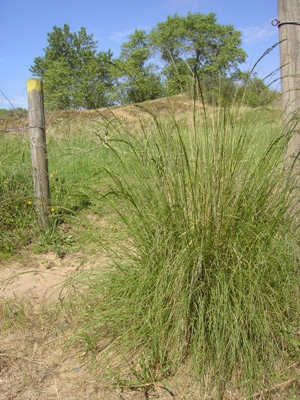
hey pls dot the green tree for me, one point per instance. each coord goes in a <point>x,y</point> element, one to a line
<point>254,92</point>
<point>196,45</point>
<point>95,83</point>
<point>74,74</point>
<point>137,77</point>
<point>58,85</point>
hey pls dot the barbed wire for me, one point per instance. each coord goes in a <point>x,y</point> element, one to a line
<point>20,98</point>
<point>23,128</point>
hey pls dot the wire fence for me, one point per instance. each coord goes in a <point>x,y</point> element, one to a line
<point>14,118</point>
<point>22,128</point>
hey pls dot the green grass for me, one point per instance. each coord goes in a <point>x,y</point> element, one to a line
<point>203,252</point>
<point>74,172</point>
<point>206,273</point>
<point>15,194</point>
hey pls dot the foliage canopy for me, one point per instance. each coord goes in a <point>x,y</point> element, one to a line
<point>197,44</point>
<point>75,75</point>
<point>137,79</point>
<point>172,58</point>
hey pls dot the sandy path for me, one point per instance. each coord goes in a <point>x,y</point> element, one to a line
<point>38,277</point>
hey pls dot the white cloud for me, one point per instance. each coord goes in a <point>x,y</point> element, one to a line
<point>255,33</point>
<point>120,37</point>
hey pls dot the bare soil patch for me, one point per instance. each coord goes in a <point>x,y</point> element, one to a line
<point>37,277</point>
<point>35,364</point>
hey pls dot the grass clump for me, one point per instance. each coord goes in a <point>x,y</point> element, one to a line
<point>206,272</point>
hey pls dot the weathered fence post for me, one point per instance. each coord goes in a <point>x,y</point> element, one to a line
<point>38,149</point>
<point>289,34</point>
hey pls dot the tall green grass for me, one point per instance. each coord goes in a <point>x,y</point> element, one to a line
<point>207,272</point>
<point>15,194</point>
<point>74,157</point>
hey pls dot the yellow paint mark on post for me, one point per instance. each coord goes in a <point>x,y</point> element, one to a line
<point>34,84</point>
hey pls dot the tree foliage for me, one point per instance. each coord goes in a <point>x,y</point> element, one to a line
<point>75,75</point>
<point>137,79</point>
<point>170,59</point>
<point>197,45</point>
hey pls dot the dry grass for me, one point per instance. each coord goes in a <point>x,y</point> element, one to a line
<point>179,104</point>
<point>34,360</point>
<point>35,364</point>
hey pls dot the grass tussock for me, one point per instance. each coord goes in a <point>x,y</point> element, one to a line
<point>206,273</point>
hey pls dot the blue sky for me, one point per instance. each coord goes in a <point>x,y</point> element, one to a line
<point>25,24</point>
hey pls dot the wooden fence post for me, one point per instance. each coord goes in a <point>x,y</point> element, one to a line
<point>289,34</point>
<point>38,149</point>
